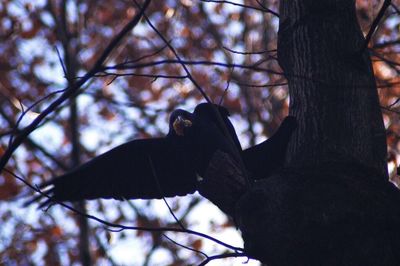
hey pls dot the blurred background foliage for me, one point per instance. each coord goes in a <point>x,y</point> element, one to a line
<point>229,49</point>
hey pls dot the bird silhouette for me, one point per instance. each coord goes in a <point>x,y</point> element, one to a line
<point>169,166</point>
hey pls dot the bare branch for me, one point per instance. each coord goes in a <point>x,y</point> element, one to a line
<point>128,65</point>
<point>162,192</point>
<point>375,24</point>
<point>71,90</point>
<point>249,53</point>
<point>263,8</point>
<point>222,256</point>
<point>185,247</point>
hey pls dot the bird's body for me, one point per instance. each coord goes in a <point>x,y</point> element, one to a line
<point>209,136</point>
<point>169,166</point>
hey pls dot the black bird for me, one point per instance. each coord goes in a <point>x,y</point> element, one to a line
<point>169,166</point>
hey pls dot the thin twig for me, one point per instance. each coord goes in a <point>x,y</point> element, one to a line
<point>156,76</point>
<point>160,189</point>
<point>248,53</point>
<point>262,85</point>
<point>32,143</point>
<point>375,24</point>
<point>148,55</point>
<point>395,8</point>
<point>390,110</point>
<point>124,66</point>
<point>61,62</point>
<point>228,83</point>
<point>25,111</point>
<point>222,256</point>
<point>262,8</point>
<point>190,77</point>
<point>185,247</point>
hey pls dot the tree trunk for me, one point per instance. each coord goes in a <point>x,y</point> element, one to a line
<point>332,204</point>
<point>71,64</point>
<point>83,245</point>
<point>332,86</point>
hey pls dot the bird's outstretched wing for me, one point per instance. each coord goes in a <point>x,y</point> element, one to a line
<point>265,158</point>
<point>140,169</point>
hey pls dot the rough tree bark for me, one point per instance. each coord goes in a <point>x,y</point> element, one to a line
<point>332,86</point>
<point>332,204</point>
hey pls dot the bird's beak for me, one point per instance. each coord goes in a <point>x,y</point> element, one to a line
<point>180,124</point>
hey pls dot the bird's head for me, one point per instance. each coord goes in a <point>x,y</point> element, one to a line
<point>179,121</point>
<point>207,110</point>
<point>206,113</point>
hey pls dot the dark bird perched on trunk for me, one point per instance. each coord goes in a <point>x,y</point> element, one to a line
<point>169,166</point>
